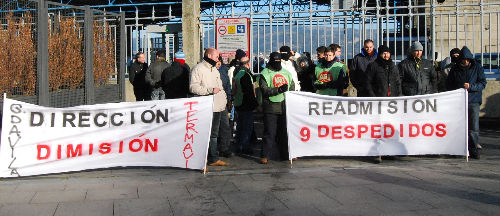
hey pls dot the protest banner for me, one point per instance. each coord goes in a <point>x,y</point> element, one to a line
<point>40,140</point>
<point>320,125</point>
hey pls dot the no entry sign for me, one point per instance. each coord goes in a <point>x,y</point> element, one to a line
<point>232,34</point>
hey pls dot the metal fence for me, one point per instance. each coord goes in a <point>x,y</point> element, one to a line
<point>305,25</point>
<point>61,55</point>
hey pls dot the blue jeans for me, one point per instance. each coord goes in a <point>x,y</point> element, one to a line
<point>473,123</point>
<point>158,94</point>
<point>244,129</point>
<point>213,153</point>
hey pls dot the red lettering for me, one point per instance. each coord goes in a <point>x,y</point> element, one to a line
<point>187,147</point>
<point>91,148</point>
<point>154,147</point>
<point>427,126</point>
<point>321,128</point>
<point>188,137</point>
<point>189,114</point>
<point>361,130</point>
<point>305,134</point>
<point>401,130</point>
<point>349,131</point>
<point>190,126</point>
<point>412,133</point>
<point>386,127</point>
<point>105,148</point>
<point>336,130</point>
<point>73,152</point>
<point>440,130</point>
<point>375,129</point>
<point>131,145</point>
<point>58,151</point>
<point>39,148</point>
<point>191,104</point>
<point>120,149</point>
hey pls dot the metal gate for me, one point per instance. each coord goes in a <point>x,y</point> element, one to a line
<point>305,25</point>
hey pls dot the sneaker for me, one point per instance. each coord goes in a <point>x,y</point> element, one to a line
<point>263,161</point>
<point>219,163</point>
<point>377,159</point>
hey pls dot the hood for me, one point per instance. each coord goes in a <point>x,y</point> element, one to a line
<point>363,52</point>
<point>465,53</point>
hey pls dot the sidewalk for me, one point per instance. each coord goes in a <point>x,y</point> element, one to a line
<point>314,186</point>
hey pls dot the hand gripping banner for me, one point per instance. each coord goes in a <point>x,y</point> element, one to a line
<point>321,125</point>
<point>41,140</point>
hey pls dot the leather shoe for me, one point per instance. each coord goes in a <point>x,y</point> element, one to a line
<point>263,161</point>
<point>219,163</point>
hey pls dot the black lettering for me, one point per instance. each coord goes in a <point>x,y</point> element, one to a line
<point>430,105</point>
<point>113,119</point>
<point>97,122</point>
<point>393,108</point>
<point>16,108</point>
<point>422,106</point>
<point>68,117</point>
<point>15,119</point>
<point>339,108</point>
<point>163,116</point>
<point>152,115</point>
<point>351,111</point>
<point>84,117</point>
<point>365,110</point>
<point>315,108</point>
<point>326,107</point>
<point>39,118</point>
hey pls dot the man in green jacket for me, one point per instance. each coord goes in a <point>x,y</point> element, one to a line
<point>274,81</point>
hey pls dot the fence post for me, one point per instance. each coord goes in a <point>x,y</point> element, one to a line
<point>42,70</point>
<point>123,56</point>
<point>89,55</point>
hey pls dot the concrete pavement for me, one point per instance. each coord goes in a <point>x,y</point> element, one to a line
<point>314,186</point>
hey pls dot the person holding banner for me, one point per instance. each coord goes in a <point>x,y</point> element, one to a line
<point>205,80</point>
<point>274,82</point>
<point>469,74</point>
<point>331,74</point>
<point>382,79</point>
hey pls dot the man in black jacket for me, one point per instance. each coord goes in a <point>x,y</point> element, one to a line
<point>137,74</point>
<point>358,67</point>
<point>244,104</point>
<point>418,76</point>
<point>154,75</point>
<point>175,79</point>
<point>469,74</point>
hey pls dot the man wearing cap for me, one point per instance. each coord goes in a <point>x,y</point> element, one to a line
<point>274,81</point>
<point>205,80</point>
<point>176,78</point>
<point>137,77</point>
<point>418,76</point>
<point>235,64</point>
<point>289,65</point>
<point>469,74</point>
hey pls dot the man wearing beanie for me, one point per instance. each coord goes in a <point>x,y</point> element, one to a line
<point>176,78</point>
<point>445,67</point>
<point>382,78</point>
<point>289,65</point>
<point>274,81</point>
<point>418,76</point>
<point>235,64</point>
<point>469,74</point>
<point>205,80</point>
<point>358,67</point>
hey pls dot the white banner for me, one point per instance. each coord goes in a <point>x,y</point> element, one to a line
<point>320,125</point>
<point>40,140</point>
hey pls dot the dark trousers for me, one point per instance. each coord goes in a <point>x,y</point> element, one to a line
<point>224,139</point>
<point>142,93</point>
<point>244,129</point>
<point>275,137</point>
<point>473,127</point>
<point>213,153</point>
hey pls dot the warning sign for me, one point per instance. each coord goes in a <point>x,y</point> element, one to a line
<point>232,34</point>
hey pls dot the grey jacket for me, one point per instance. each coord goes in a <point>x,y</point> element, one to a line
<point>417,80</point>
<point>154,72</point>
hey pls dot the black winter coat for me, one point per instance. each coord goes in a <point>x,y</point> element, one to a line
<point>417,81</point>
<point>137,74</point>
<point>249,102</point>
<point>382,77</point>
<point>358,68</point>
<point>155,71</point>
<point>474,75</point>
<point>175,81</point>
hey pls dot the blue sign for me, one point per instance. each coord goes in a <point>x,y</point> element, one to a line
<point>240,29</point>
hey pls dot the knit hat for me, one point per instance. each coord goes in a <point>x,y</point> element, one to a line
<point>382,49</point>
<point>240,54</point>
<point>285,49</point>
<point>180,57</point>
<point>415,46</point>
<point>454,50</point>
<point>275,56</point>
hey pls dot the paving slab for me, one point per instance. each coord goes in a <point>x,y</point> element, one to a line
<point>85,208</point>
<point>134,207</point>
<point>112,193</point>
<point>46,209</point>
<point>59,196</point>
